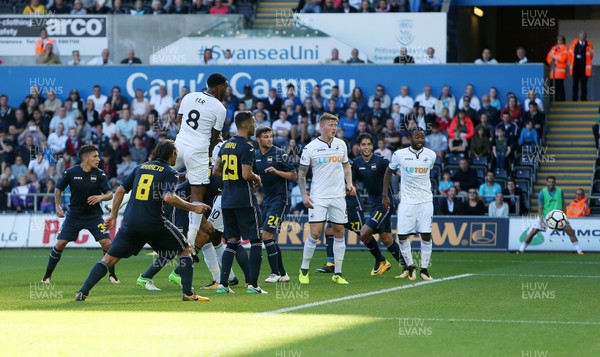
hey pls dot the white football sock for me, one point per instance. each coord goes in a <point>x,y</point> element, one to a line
<point>339,250</point>
<point>426,248</point>
<point>523,247</point>
<point>194,225</point>
<point>577,247</point>
<point>191,237</point>
<point>406,251</point>
<point>309,249</point>
<point>210,258</point>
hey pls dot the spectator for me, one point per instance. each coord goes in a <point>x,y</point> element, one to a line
<point>358,97</point>
<point>140,105</point>
<point>97,138</point>
<point>292,117</point>
<point>468,109</point>
<point>458,145</point>
<point>126,167</point>
<point>446,183</point>
<point>218,8</point>
<point>108,110</point>
<point>382,150</point>
<point>377,111</point>
<point>514,195</point>
<point>510,129</point>
<point>73,143</point>
<point>430,58</point>
<point>498,208</point>
<point>91,115</point>
<point>354,57</point>
<point>464,124</point>
<point>7,114</point>
<point>486,57</point>
<point>108,127</point>
<point>59,8</point>
<point>316,98</point>
<point>427,101</point>
<point>538,118</point>
<point>126,126</point>
<point>335,54</point>
<point>161,102</point>
<point>63,119</point>
<point>529,135</point>
<point>57,141</point>
<point>100,7</point>
<point>382,6</point>
<point>579,207</point>
<point>474,206</point>
<point>78,8</point>
<point>117,8</point>
<point>21,195</point>
<point>501,148</point>
<point>404,57</point>
<point>473,100</point>
<point>182,93</point>
<point>47,56</point>
<point>273,103</point>
<point>557,59</point>
<point>346,8</point>
<point>34,131</point>
<point>40,45</point>
<point>281,130</point>
<point>488,128</point>
<point>312,6</point>
<point>34,7</point>
<point>405,101</point>
<point>581,53</point>
<point>291,95</point>
<point>444,121</point>
<point>5,188</point>
<point>382,96</point>
<point>489,189</point>
<point>102,60</point>
<point>521,55</point>
<point>108,165</point>
<point>532,98</point>
<point>138,152</point>
<point>98,98</point>
<point>138,8</point>
<point>260,107</point>
<point>6,148</point>
<point>52,103</point>
<point>445,100</point>
<point>39,166</point>
<point>437,141</point>
<point>410,124</point>
<point>449,205</point>
<point>77,103</point>
<point>365,6</point>
<point>465,178</point>
<point>421,118</point>
<point>47,204</point>
<point>338,101</point>
<point>490,111</point>
<point>116,100</point>
<point>199,7</point>
<point>391,135</point>
<point>156,8</point>
<point>131,58</point>
<point>480,143</point>
<point>261,119</point>
<point>349,124</point>
<point>18,168</point>
<point>514,110</point>
<point>84,129</point>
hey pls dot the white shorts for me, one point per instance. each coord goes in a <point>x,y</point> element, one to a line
<point>195,161</point>
<point>216,215</point>
<point>537,225</point>
<point>328,209</point>
<point>414,219</point>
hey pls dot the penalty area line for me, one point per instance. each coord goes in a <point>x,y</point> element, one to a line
<point>535,322</point>
<point>358,296</point>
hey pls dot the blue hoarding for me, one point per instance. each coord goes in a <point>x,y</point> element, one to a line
<point>448,233</point>
<point>17,81</point>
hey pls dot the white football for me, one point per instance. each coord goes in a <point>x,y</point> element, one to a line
<point>556,219</point>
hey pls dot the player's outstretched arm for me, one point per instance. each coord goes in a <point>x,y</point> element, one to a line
<point>288,175</point>
<point>177,202</point>
<point>92,200</point>
<point>387,180</point>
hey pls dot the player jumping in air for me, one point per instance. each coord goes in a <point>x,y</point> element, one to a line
<point>153,184</point>
<point>416,205</point>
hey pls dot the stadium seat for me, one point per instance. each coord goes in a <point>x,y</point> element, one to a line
<point>594,206</point>
<point>452,159</point>
<point>523,172</point>
<point>596,187</point>
<point>439,162</point>
<point>481,171</point>
<point>480,181</point>
<point>597,174</point>
<point>501,174</point>
<point>524,185</point>
<point>501,182</point>
<point>434,186</point>
<point>452,169</point>
<point>435,172</point>
<point>246,9</point>
<point>483,161</point>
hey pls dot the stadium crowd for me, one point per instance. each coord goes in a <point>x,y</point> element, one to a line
<point>470,135</point>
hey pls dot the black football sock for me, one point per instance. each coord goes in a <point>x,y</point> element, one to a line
<point>155,267</point>
<point>53,260</point>
<point>111,270</point>
<point>394,248</point>
<point>272,255</point>
<point>186,269</point>
<point>280,259</point>
<point>96,274</point>
<point>228,255</point>
<point>255,260</point>
<point>375,251</point>
<point>242,259</point>
<point>329,247</point>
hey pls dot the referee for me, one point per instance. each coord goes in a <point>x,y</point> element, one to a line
<point>89,186</point>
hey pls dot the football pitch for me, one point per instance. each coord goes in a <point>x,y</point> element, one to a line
<point>480,304</point>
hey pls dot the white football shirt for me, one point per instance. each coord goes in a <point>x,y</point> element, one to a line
<point>415,168</point>
<point>327,161</point>
<point>201,112</point>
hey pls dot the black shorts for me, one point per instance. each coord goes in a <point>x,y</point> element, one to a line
<point>355,220</point>
<point>273,215</point>
<point>74,223</point>
<point>241,223</point>
<point>379,221</point>
<point>167,240</point>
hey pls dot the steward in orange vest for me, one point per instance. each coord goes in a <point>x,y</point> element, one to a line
<point>579,206</point>
<point>557,59</point>
<point>581,53</point>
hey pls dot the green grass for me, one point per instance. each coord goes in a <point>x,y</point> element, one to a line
<point>510,305</point>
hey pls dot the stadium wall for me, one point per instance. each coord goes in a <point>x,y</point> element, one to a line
<point>506,78</point>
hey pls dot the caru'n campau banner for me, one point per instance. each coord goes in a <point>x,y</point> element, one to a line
<point>448,233</point>
<point>61,79</point>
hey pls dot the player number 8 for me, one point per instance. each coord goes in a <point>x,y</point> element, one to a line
<point>192,119</point>
<point>143,187</point>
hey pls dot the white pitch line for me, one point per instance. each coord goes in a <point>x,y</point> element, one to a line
<point>542,322</point>
<point>516,261</point>
<point>542,276</point>
<point>358,296</point>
